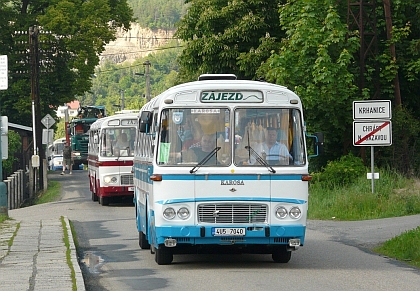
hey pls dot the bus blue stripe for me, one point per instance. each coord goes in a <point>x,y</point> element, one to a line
<point>211,199</point>
<point>218,177</point>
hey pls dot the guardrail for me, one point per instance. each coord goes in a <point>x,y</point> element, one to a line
<point>17,188</point>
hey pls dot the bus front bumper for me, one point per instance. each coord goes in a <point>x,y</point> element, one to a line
<point>254,235</point>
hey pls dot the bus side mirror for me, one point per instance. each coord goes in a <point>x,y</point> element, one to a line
<point>95,139</point>
<point>319,143</point>
<point>145,121</point>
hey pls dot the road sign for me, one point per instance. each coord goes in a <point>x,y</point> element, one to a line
<point>378,109</point>
<point>3,73</point>
<point>47,121</point>
<point>372,133</point>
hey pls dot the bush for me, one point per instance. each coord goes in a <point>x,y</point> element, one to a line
<point>342,172</point>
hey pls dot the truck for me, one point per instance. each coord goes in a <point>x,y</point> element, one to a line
<point>78,132</point>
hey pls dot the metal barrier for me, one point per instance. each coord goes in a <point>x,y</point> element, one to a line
<point>17,188</point>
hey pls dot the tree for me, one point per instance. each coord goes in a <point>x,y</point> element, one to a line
<point>14,147</point>
<point>227,37</point>
<point>315,61</point>
<point>72,35</point>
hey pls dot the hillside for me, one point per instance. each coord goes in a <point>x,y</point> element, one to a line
<point>136,43</point>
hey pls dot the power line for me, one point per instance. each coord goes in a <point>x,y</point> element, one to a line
<point>141,51</point>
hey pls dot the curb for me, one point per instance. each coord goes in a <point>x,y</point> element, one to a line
<point>80,284</point>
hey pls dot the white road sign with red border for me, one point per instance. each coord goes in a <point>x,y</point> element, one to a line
<point>372,109</point>
<point>372,133</point>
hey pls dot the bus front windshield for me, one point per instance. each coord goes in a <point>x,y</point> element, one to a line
<point>215,137</point>
<point>116,142</point>
<point>195,135</point>
<point>268,136</point>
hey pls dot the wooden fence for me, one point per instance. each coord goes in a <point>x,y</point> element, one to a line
<point>18,189</point>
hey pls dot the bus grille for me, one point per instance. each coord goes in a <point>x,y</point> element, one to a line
<point>126,179</point>
<point>232,213</point>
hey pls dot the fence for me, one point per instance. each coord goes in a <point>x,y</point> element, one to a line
<point>18,189</point>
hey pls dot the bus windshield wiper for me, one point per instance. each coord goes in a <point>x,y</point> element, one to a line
<point>259,159</point>
<point>205,160</point>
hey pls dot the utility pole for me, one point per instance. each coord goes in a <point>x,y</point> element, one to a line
<point>36,106</point>
<point>147,73</point>
<point>122,99</point>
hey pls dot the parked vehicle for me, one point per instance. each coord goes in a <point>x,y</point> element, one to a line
<point>55,154</point>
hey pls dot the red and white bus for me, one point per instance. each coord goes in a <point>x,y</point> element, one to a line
<point>110,157</point>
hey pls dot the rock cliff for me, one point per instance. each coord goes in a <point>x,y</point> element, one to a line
<point>135,43</point>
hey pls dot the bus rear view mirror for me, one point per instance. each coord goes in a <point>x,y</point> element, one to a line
<point>145,123</point>
<point>319,143</point>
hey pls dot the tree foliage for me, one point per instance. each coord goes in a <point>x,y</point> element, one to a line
<point>227,37</point>
<point>163,14</point>
<point>114,81</point>
<point>307,46</point>
<point>72,34</point>
<point>14,147</point>
<point>315,61</point>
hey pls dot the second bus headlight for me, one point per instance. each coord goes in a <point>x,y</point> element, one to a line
<point>295,212</point>
<point>183,213</point>
<point>110,179</point>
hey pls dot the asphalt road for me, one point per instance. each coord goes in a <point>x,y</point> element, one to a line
<point>336,255</point>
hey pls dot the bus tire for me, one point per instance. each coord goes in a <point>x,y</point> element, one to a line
<point>163,255</point>
<point>143,243</point>
<point>94,197</point>
<point>281,255</point>
<point>104,201</point>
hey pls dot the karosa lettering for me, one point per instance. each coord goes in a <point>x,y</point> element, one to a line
<point>227,96</point>
<point>232,182</point>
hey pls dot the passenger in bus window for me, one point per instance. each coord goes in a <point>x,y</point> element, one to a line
<point>199,151</point>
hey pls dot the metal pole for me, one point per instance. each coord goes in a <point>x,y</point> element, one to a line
<point>147,73</point>
<point>372,167</point>
<point>122,100</point>
<point>3,187</point>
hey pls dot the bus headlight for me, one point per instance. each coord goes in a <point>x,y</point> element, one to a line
<point>183,213</point>
<point>295,212</point>
<point>169,213</point>
<point>281,212</point>
<point>110,179</point>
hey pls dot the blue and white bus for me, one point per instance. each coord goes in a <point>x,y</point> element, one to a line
<point>204,178</point>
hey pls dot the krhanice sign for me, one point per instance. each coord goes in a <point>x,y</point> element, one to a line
<point>378,109</point>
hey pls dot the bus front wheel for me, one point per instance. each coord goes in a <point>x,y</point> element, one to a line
<point>163,255</point>
<point>143,243</point>
<point>281,255</point>
<point>104,201</point>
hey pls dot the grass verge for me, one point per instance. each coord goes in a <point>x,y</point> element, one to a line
<point>403,248</point>
<point>52,194</point>
<point>68,254</point>
<point>393,196</point>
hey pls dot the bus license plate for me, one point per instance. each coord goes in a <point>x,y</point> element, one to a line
<point>130,188</point>
<point>223,231</point>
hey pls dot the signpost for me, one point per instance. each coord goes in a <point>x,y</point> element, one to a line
<point>372,127</point>
<point>3,86</point>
